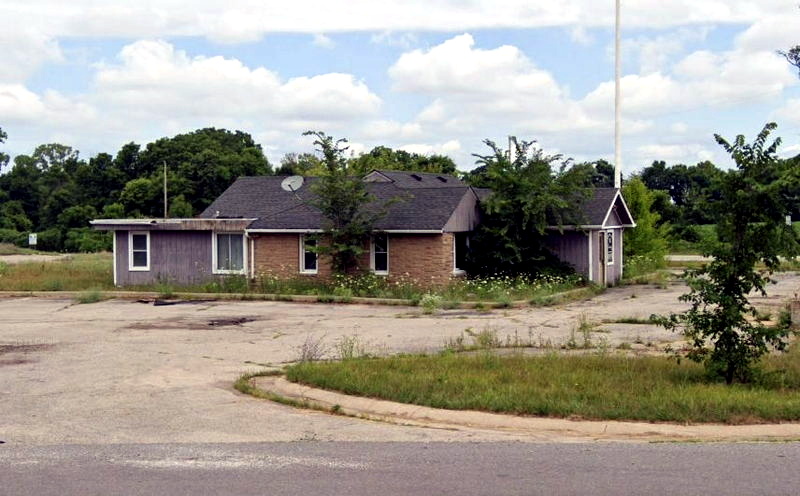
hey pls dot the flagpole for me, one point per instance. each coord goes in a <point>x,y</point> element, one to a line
<point>617,101</point>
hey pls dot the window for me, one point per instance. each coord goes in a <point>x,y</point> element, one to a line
<point>380,253</point>
<point>460,250</point>
<point>610,247</point>
<point>308,257</point>
<point>229,253</point>
<point>139,251</point>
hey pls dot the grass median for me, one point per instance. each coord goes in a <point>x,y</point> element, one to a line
<point>601,386</point>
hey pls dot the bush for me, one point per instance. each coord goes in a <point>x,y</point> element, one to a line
<point>87,240</point>
<point>13,237</point>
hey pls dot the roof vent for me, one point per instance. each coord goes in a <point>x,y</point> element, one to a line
<point>418,178</point>
<point>442,179</point>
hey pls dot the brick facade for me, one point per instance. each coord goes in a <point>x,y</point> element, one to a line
<point>423,258</point>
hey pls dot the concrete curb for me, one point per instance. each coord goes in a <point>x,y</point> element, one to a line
<point>536,428</point>
<point>134,295</point>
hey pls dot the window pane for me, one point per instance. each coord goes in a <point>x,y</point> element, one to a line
<point>223,252</point>
<point>310,261</point>
<point>380,243</point>
<point>381,262</point>
<point>462,246</point>
<point>140,259</point>
<point>139,241</point>
<point>237,252</point>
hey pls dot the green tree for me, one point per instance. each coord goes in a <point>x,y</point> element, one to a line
<point>385,158</point>
<point>180,208</point>
<point>140,197</point>
<point>531,193</point>
<point>648,240</point>
<point>754,199</point>
<point>302,164</point>
<point>792,56</point>
<point>341,197</point>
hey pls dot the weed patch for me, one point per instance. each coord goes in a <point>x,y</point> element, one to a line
<point>596,386</point>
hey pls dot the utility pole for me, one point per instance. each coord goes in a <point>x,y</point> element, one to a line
<point>617,101</point>
<point>165,189</point>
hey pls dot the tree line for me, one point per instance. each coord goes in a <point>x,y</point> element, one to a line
<point>55,192</point>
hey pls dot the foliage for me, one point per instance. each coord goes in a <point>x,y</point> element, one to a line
<point>648,240</point>
<point>341,198</point>
<point>792,56</point>
<point>53,191</point>
<point>530,193</point>
<point>384,158</point>
<point>3,156</point>
<point>592,386</point>
<point>721,324</point>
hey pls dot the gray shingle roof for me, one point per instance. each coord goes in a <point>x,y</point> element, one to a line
<point>594,210</point>
<point>415,180</point>
<point>413,208</point>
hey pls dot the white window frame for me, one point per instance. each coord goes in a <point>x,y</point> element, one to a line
<point>131,267</point>
<point>303,269</point>
<point>372,256</point>
<point>456,270</point>
<point>610,255</point>
<point>214,269</point>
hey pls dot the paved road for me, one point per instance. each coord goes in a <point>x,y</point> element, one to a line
<point>307,468</point>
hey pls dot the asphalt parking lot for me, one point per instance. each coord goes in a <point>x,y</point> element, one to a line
<point>120,371</point>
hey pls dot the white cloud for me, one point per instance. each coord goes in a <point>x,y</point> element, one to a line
<point>24,51</point>
<point>789,113</point>
<point>154,89</point>
<point>34,22</point>
<point>323,41</point>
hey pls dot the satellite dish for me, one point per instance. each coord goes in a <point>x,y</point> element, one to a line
<point>292,183</point>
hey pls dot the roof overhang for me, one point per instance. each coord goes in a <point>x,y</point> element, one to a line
<point>303,231</point>
<point>192,224</point>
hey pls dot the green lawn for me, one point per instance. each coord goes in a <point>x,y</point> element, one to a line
<point>589,386</point>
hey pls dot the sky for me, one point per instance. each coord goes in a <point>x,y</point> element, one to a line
<point>428,76</point>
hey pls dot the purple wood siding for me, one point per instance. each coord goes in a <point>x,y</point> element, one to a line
<point>613,272</point>
<point>179,257</point>
<point>613,219</point>
<point>571,247</point>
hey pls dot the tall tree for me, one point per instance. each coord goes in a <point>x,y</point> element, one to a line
<point>385,158</point>
<point>3,156</point>
<point>530,193</point>
<point>792,56</point>
<point>754,199</point>
<point>341,197</point>
<point>648,239</point>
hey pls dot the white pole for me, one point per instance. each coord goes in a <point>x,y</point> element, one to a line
<point>165,189</point>
<point>617,103</point>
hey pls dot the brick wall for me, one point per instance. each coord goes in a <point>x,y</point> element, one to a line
<point>425,258</point>
<point>279,255</point>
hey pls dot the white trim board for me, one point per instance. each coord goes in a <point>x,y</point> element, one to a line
<point>131,268</point>
<point>214,269</point>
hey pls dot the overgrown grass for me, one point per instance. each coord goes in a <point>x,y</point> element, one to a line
<point>91,296</point>
<point>598,386</point>
<point>79,272</point>
<point>11,249</point>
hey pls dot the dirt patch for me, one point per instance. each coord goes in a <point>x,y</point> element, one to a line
<point>193,324</point>
<point>16,259</point>
<point>14,361</point>
<point>23,348</point>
